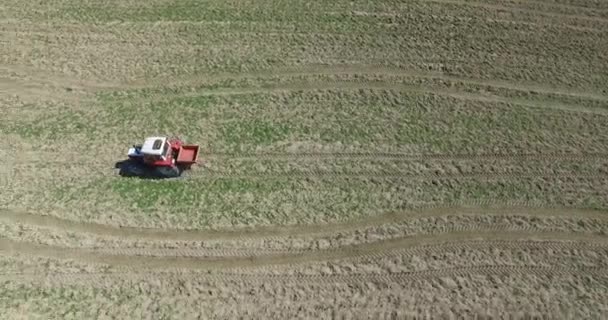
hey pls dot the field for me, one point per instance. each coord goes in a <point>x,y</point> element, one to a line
<point>360,159</point>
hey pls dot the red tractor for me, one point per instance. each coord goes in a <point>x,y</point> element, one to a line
<point>160,157</point>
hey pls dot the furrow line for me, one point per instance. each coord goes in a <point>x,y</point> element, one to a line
<point>455,208</point>
<point>513,244</point>
<point>200,175</point>
<point>50,157</point>
<point>262,175</point>
<point>93,279</point>
<point>476,4</point>
<point>367,250</point>
<point>570,6</point>
<point>488,270</point>
<point>355,86</point>
<point>435,248</point>
<point>363,69</point>
<point>403,156</point>
<point>380,70</point>
<point>504,244</point>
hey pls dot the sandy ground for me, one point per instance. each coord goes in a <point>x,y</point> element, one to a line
<point>453,262</point>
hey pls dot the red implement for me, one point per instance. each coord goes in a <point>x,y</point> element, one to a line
<point>187,154</point>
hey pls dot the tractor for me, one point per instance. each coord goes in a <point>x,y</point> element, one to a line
<point>160,157</point>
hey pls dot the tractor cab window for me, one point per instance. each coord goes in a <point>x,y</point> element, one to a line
<point>166,149</point>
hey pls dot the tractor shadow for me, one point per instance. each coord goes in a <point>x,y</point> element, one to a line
<point>134,169</point>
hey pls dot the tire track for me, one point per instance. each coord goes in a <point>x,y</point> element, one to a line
<point>417,177</point>
<point>402,156</point>
<point>562,6</point>
<point>438,247</point>
<point>51,157</point>
<point>93,279</point>
<point>371,174</point>
<point>375,85</point>
<point>200,175</point>
<point>311,70</point>
<point>367,251</point>
<point>11,30</point>
<point>476,4</point>
<point>379,71</point>
<point>471,208</point>
<point>543,24</point>
<point>517,244</point>
<point>385,232</point>
<point>205,172</point>
<point>317,70</point>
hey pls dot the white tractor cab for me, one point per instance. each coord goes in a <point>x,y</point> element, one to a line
<point>152,150</point>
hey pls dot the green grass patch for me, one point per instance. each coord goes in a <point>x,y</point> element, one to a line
<point>191,10</point>
<point>366,117</point>
<point>53,125</point>
<point>168,193</point>
<point>254,131</point>
<point>211,202</point>
<point>150,194</point>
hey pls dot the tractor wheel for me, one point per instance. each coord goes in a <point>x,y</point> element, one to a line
<point>168,172</point>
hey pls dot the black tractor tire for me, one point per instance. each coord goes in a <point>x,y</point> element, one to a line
<point>168,172</point>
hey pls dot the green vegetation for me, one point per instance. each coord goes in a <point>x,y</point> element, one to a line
<point>208,201</point>
<point>273,76</point>
<point>254,132</point>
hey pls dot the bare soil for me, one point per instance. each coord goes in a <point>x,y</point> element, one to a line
<point>441,262</point>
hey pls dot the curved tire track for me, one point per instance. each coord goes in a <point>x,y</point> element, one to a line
<point>514,9</point>
<point>376,85</point>
<point>93,279</point>
<point>32,157</point>
<point>477,208</point>
<point>371,174</point>
<point>433,248</point>
<point>368,250</point>
<point>383,71</point>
